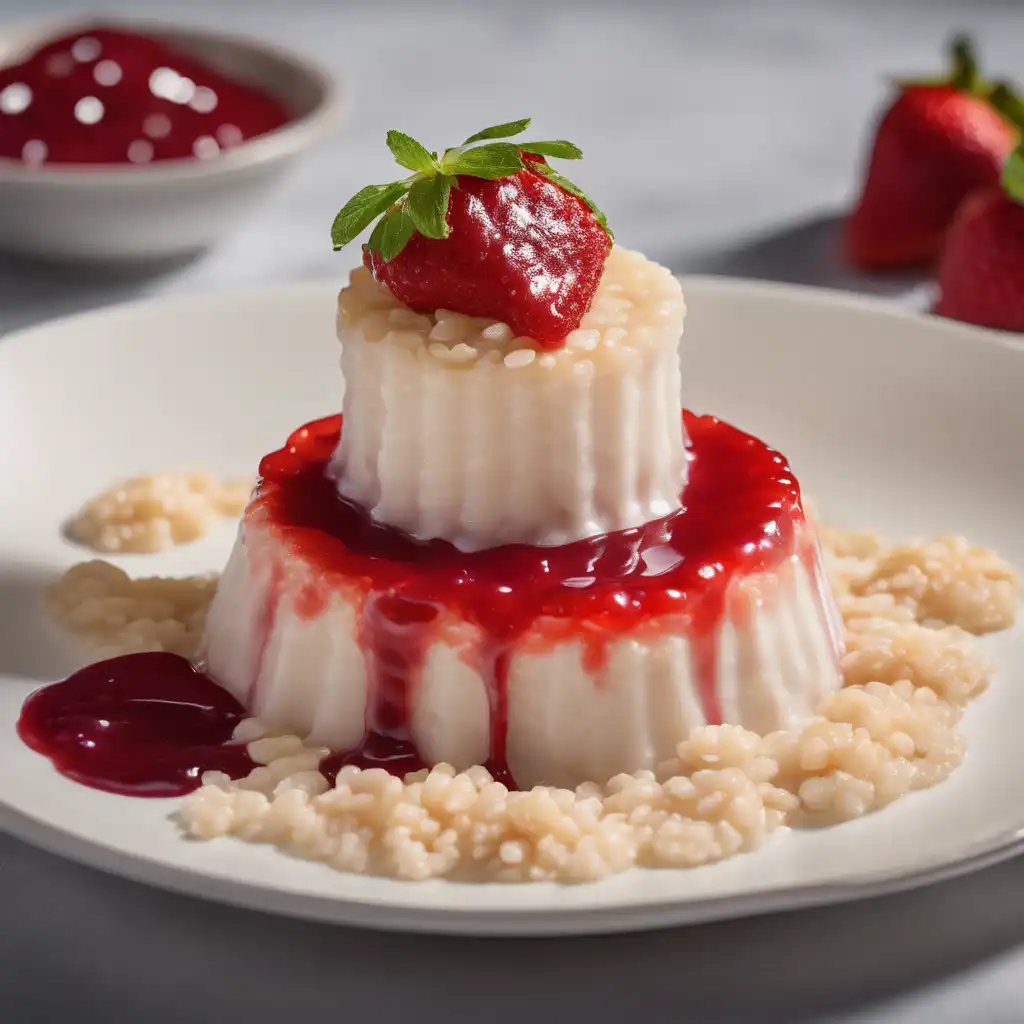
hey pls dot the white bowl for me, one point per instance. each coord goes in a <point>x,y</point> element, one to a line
<point>173,208</point>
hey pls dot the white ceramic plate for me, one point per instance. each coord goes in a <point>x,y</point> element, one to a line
<point>893,421</point>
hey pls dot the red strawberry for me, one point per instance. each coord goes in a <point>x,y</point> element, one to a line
<point>981,274</point>
<point>936,143</point>
<point>489,231</point>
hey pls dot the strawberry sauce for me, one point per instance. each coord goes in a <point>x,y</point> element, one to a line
<point>107,96</point>
<point>141,725</point>
<point>168,722</point>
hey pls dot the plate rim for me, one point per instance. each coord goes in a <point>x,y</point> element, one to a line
<point>377,914</point>
<point>322,286</point>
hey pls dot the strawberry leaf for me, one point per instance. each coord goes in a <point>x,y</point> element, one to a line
<point>427,206</point>
<point>559,148</point>
<point>1013,174</point>
<point>392,233</point>
<point>574,190</point>
<point>495,160</point>
<point>500,131</point>
<point>1009,103</point>
<point>410,154</point>
<point>362,209</point>
<point>420,202</point>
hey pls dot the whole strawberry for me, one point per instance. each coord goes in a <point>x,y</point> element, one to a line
<point>981,274</point>
<point>486,230</point>
<point>938,141</point>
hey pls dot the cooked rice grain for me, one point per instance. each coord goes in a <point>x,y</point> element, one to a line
<point>155,512</point>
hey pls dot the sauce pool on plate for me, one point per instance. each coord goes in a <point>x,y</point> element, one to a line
<point>139,725</point>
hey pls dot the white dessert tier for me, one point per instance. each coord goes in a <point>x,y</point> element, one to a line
<point>456,429</point>
<point>776,654</point>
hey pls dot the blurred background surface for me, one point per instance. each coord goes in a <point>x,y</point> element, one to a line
<point>723,137</point>
<point>720,137</point>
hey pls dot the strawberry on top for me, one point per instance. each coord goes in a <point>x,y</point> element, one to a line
<point>981,275</point>
<point>938,141</point>
<point>488,229</point>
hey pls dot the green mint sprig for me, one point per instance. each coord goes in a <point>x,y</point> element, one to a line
<point>419,202</point>
<point>1013,174</point>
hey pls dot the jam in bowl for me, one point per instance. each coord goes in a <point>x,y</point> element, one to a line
<point>111,96</point>
<point>128,143</point>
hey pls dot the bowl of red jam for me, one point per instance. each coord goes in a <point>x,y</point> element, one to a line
<point>132,142</point>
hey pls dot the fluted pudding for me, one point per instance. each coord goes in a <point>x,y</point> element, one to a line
<point>519,557</point>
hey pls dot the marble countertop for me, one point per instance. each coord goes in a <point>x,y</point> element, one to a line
<point>721,137</point>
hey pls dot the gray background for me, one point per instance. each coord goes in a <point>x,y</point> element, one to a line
<point>720,137</point>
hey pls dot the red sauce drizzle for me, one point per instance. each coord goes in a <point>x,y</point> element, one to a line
<point>742,505</point>
<point>141,725</point>
<point>107,96</point>
<point>168,723</point>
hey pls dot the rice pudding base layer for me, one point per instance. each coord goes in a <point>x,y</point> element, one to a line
<point>550,665</point>
<point>909,670</point>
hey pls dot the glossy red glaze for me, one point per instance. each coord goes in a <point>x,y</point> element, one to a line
<point>742,509</point>
<point>399,757</point>
<point>396,756</point>
<point>521,250</point>
<point>106,96</point>
<point>142,725</point>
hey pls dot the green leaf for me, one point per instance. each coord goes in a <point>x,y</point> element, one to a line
<point>409,153</point>
<point>362,209</point>
<point>965,65</point>
<point>559,148</point>
<point>427,206</point>
<point>574,190</point>
<point>495,160</point>
<point>1009,103</point>
<point>500,131</point>
<point>392,233</point>
<point>420,202</point>
<point>1013,174</point>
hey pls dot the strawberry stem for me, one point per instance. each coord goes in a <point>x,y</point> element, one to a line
<point>964,75</point>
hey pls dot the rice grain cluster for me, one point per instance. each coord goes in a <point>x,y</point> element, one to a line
<point>155,512</point>
<point>635,304</point>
